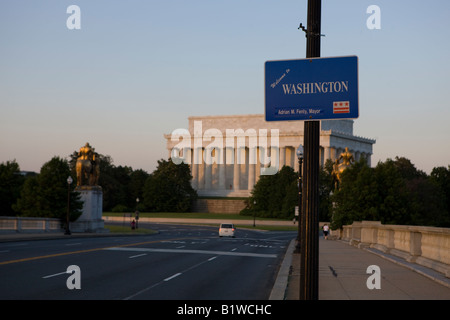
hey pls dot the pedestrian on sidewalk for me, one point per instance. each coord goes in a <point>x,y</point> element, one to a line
<point>325,229</point>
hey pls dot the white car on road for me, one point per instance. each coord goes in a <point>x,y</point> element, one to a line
<point>227,230</point>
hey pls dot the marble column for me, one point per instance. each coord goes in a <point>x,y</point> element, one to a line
<point>294,150</point>
<point>208,169</point>
<point>194,169</point>
<point>251,168</point>
<point>257,165</point>
<point>236,170</point>
<point>201,169</point>
<point>326,154</point>
<point>222,172</point>
<point>282,156</point>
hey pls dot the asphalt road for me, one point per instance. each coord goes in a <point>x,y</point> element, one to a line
<point>179,263</point>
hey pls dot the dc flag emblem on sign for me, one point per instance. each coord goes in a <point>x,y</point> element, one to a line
<point>341,107</point>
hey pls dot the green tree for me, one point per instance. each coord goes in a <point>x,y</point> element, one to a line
<point>394,192</point>
<point>356,196</point>
<point>277,195</point>
<point>46,194</point>
<point>427,203</point>
<point>11,182</point>
<point>28,202</point>
<point>260,200</point>
<point>326,187</point>
<point>136,188</point>
<point>168,188</point>
<point>274,196</point>
<point>426,199</point>
<point>441,177</point>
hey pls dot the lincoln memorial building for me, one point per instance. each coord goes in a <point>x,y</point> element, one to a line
<point>228,154</point>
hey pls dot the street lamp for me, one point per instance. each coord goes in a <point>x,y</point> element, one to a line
<point>254,217</point>
<point>137,212</point>
<point>69,182</point>
<point>299,154</point>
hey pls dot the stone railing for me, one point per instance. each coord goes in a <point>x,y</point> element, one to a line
<point>427,246</point>
<point>26,224</point>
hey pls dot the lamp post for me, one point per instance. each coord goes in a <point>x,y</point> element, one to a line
<point>69,182</point>
<point>137,212</point>
<point>254,217</point>
<point>299,153</point>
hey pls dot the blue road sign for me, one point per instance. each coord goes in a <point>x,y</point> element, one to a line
<point>311,89</point>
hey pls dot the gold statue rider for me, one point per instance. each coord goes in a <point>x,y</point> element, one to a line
<point>338,168</point>
<point>87,166</point>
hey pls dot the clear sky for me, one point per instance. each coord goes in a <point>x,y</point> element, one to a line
<point>138,69</point>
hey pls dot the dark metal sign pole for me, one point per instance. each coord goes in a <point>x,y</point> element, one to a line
<point>309,263</point>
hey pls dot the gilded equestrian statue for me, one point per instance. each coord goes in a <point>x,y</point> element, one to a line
<point>87,167</point>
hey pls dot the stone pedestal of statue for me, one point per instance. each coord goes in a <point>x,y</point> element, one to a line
<point>91,217</point>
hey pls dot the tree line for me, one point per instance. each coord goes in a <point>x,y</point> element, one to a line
<point>46,193</point>
<point>393,192</point>
<point>38,195</point>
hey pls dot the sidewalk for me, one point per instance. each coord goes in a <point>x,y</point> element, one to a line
<point>342,276</point>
